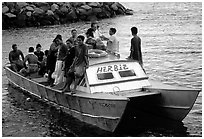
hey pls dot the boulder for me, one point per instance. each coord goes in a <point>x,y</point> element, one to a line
<point>96,10</point>
<point>49,12</point>
<point>21,4</point>
<point>54,7</point>
<point>29,13</point>
<point>86,7</point>
<point>38,11</point>
<point>29,8</point>
<point>77,4</point>
<point>64,9</point>
<point>5,9</point>
<point>114,7</point>
<point>10,15</point>
<point>93,4</point>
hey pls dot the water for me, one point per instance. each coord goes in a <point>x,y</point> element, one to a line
<point>171,36</point>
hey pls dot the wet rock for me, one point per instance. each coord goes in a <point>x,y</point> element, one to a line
<point>10,15</point>
<point>5,9</point>
<point>50,13</point>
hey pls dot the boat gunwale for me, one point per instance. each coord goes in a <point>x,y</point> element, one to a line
<point>88,95</point>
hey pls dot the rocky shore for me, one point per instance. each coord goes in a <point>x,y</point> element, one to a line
<point>34,14</point>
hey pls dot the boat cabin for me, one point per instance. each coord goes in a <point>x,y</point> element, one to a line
<point>112,75</point>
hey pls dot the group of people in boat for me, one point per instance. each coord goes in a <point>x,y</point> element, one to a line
<point>70,59</point>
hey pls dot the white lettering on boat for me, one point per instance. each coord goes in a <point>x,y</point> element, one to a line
<point>112,68</point>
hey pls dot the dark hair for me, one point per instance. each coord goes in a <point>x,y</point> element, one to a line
<point>46,52</point>
<point>113,30</point>
<point>73,30</point>
<point>38,45</point>
<point>69,40</point>
<point>81,37</point>
<point>93,23</point>
<point>31,49</point>
<point>90,32</point>
<point>14,45</point>
<point>134,30</point>
<point>57,37</point>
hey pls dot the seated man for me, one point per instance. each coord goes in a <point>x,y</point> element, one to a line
<point>14,58</point>
<point>32,60</point>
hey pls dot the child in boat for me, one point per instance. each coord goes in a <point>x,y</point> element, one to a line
<point>32,66</point>
<point>14,58</point>
<point>112,42</point>
<point>135,49</point>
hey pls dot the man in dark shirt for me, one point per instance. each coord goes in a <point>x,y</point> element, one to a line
<point>39,53</point>
<point>135,50</point>
<point>14,58</point>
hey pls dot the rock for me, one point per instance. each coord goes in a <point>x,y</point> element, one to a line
<point>54,7</point>
<point>86,7</point>
<point>49,12</point>
<point>21,4</point>
<point>10,15</point>
<point>38,11</point>
<point>129,12</point>
<point>114,7</point>
<point>29,8</point>
<point>93,4</point>
<point>77,4</point>
<point>64,9</point>
<point>29,13</point>
<point>96,10</point>
<point>5,9</point>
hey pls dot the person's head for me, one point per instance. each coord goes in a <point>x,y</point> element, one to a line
<point>94,26</point>
<point>69,43</point>
<point>38,47</point>
<point>30,49</point>
<point>14,47</point>
<point>57,38</point>
<point>112,31</point>
<point>46,52</point>
<point>89,33</point>
<point>80,39</point>
<point>74,32</point>
<point>134,30</point>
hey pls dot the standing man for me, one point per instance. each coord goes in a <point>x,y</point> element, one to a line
<point>135,50</point>
<point>73,38</point>
<point>112,42</point>
<point>14,58</point>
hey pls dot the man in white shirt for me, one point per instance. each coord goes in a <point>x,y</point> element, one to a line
<point>112,42</point>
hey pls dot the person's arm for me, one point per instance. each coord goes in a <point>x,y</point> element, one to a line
<point>140,52</point>
<point>10,58</point>
<point>86,57</point>
<point>22,56</point>
<point>24,61</point>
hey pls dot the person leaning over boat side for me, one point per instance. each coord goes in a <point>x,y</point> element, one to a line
<point>68,62</point>
<point>80,63</point>
<point>14,58</point>
<point>52,58</point>
<point>59,68</point>
<point>73,38</point>
<point>112,42</point>
<point>135,49</point>
<point>32,66</point>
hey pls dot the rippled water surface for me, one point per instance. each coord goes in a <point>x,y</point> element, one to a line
<point>171,36</point>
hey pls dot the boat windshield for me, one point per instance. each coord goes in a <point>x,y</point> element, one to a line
<point>127,73</point>
<point>105,76</point>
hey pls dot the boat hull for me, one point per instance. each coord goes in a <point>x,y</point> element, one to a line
<point>101,110</point>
